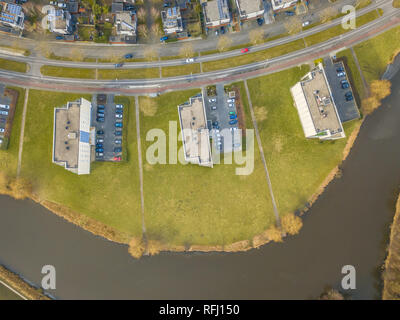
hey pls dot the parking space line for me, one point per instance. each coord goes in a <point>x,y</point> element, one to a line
<point>140,164</point>
<point>276,212</point>
<point>21,137</point>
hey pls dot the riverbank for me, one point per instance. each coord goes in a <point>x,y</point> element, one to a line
<point>19,285</point>
<point>391,274</point>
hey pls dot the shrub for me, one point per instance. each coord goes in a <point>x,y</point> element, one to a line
<point>291,223</point>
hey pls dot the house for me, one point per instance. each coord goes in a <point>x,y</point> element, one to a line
<point>59,21</point>
<point>73,136</point>
<point>216,13</point>
<point>12,15</point>
<point>195,133</point>
<point>172,20</point>
<point>125,27</point>
<point>117,6</point>
<point>316,107</point>
<point>278,5</point>
<point>250,9</point>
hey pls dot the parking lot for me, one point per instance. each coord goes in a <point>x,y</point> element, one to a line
<point>7,109</point>
<point>346,106</point>
<point>222,120</point>
<point>108,136</point>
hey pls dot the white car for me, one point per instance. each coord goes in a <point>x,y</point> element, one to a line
<point>118,116</point>
<point>305,23</point>
<point>189,60</point>
<point>1,130</point>
<point>5,106</point>
<point>212,100</point>
<point>119,106</point>
<point>230,100</point>
<point>4,113</point>
<point>231,105</point>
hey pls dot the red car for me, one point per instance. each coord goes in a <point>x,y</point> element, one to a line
<point>117,158</point>
<point>244,50</point>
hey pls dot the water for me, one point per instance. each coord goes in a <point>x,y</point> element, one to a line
<point>349,224</point>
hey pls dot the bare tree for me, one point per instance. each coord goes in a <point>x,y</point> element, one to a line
<point>224,43</point>
<point>256,36</point>
<point>187,50</point>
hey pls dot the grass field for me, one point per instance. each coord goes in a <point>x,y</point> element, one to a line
<point>110,194</point>
<point>180,70</point>
<point>112,74</point>
<point>65,72</point>
<point>254,57</point>
<point>374,54</point>
<point>338,30</point>
<point>297,165</point>
<point>13,65</point>
<point>189,204</point>
<point>9,157</point>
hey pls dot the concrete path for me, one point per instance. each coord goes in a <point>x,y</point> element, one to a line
<point>140,163</point>
<point>21,137</point>
<point>253,118</point>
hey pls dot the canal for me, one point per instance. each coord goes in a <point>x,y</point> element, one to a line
<point>348,225</point>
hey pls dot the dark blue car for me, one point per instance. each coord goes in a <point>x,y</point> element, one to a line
<point>99,150</point>
<point>129,56</point>
<point>100,119</point>
<point>232,122</point>
<point>118,124</point>
<point>233,116</point>
<point>99,145</point>
<point>117,150</point>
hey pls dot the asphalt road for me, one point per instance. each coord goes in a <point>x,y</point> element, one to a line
<point>145,86</point>
<point>35,58</point>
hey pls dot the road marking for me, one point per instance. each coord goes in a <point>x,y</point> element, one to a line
<point>276,212</point>
<point>13,290</point>
<point>21,137</point>
<point>140,164</point>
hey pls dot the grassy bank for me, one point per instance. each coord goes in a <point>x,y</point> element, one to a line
<point>391,275</point>
<point>109,195</point>
<point>375,54</point>
<point>66,72</point>
<point>139,73</point>
<point>298,166</point>
<point>188,204</point>
<point>13,65</point>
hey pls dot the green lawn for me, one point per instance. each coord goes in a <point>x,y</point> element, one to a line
<point>254,57</point>
<point>143,73</point>
<point>13,65</point>
<point>9,157</point>
<point>189,204</point>
<point>297,165</point>
<point>110,194</point>
<point>374,54</point>
<point>355,74</point>
<point>7,294</point>
<point>180,70</point>
<point>66,72</point>
<point>338,30</point>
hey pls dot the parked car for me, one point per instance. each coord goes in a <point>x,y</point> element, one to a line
<point>214,108</point>
<point>99,150</point>
<point>118,133</point>
<point>244,50</point>
<point>349,98</point>
<point>59,38</point>
<point>100,132</point>
<point>118,124</point>
<point>4,113</point>
<point>99,145</point>
<point>232,112</point>
<point>222,30</point>
<point>5,106</point>
<point>100,107</point>
<point>341,74</point>
<point>340,69</point>
<point>99,154</point>
<point>101,111</point>
<point>119,111</point>
<point>101,98</point>
<point>345,84</point>
<point>128,56</point>
<point>117,150</point>
<point>260,21</point>
<point>119,106</point>
<point>1,129</point>
<point>232,122</point>
<point>212,100</point>
<point>118,116</point>
<point>165,38</point>
<point>231,105</point>
<point>2,120</point>
<point>117,158</point>
<point>100,140</point>
<point>215,123</point>
<point>305,23</point>
<point>117,141</point>
<point>348,94</point>
<point>233,116</point>
<point>230,100</point>
<point>100,119</point>
<point>100,115</point>
<point>289,13</point>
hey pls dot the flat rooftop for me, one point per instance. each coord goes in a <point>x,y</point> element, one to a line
<point>195,132</point>
<point>216,10</point>
<point>67,130</point>
<point>320,103</point>
<point>249,6</point>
